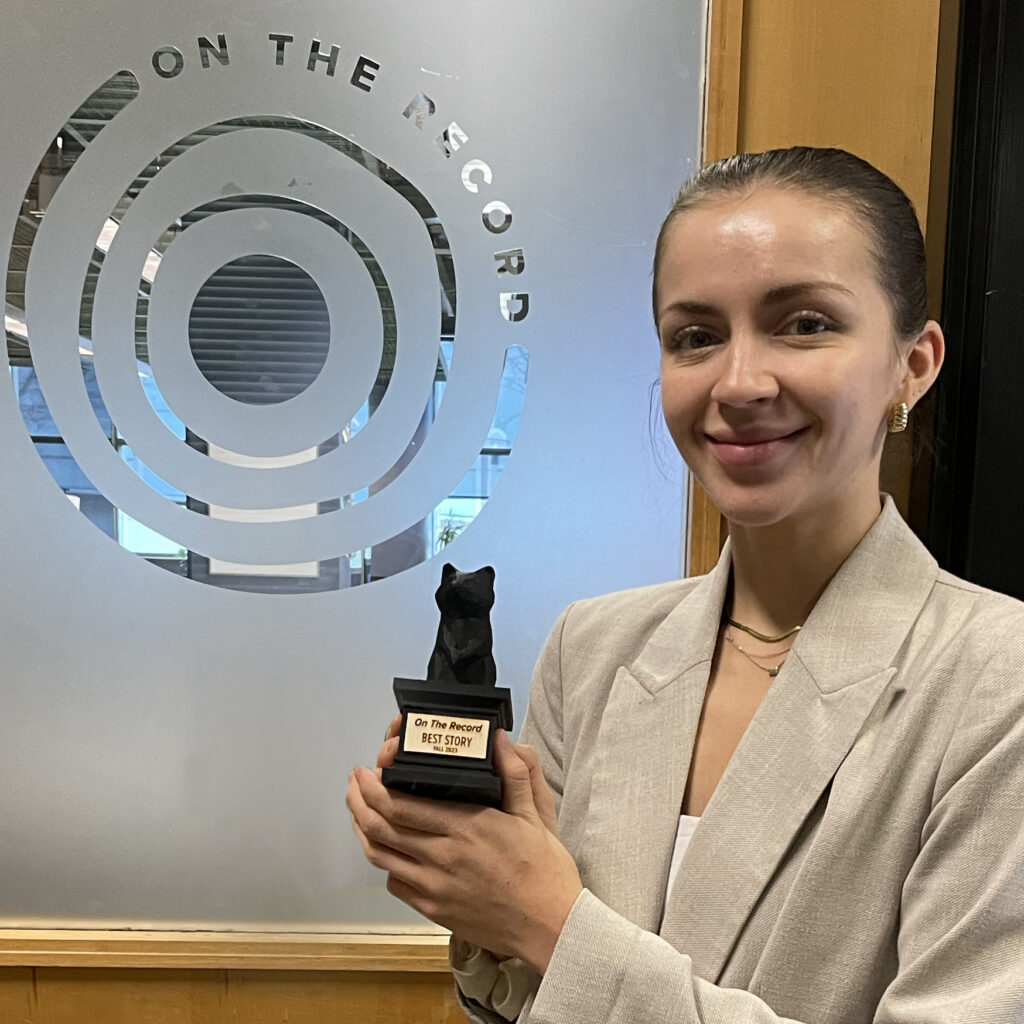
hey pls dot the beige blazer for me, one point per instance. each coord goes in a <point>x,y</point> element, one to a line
<point>862,859</point>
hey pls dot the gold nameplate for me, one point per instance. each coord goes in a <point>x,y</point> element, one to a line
<point>427,733</point>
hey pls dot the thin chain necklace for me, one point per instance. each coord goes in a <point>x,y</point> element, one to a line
<point>763,637</point>
<point>772,670</point>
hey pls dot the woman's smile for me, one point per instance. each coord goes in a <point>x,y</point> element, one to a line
<point>756,448</point>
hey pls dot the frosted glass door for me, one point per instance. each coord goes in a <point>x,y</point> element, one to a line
<point>303,301</point>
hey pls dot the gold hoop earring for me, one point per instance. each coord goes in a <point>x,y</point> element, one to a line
<point>898,416</point>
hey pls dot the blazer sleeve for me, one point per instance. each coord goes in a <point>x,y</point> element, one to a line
<point>493,990</point>
<point>962,910</point>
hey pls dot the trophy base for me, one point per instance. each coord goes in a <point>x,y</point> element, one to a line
<point>446,744</point>
<point>444,783</point>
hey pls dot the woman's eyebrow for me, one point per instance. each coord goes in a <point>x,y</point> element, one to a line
<point>689,306</point>
<point>785,292</point>
<point>781,293</point>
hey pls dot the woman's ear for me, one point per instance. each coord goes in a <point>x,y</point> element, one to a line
<point>924,360</point>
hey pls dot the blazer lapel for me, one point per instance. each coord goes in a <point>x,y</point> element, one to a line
<point>646,743</point>
<point>785,760</point>
<point>838,669</point>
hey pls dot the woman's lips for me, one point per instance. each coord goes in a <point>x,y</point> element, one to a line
<point>754,452</point>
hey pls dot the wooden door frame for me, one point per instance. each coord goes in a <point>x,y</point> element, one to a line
<point>706,527</point>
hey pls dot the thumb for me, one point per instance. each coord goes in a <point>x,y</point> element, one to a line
<point>514,772</point>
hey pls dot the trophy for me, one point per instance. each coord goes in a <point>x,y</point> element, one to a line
<point>446,744</point>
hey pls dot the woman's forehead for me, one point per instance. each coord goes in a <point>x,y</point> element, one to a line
<point>766,234</point>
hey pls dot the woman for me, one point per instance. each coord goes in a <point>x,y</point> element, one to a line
<point>844,720</point>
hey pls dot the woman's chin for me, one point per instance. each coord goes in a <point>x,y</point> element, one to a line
<point>751,510</point>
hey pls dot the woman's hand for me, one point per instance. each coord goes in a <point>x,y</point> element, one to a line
<point>500,879</point>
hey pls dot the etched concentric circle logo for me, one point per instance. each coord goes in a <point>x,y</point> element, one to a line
<point>241,325</point>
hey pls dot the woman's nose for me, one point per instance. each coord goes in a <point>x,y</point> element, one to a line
<point>745,373</point>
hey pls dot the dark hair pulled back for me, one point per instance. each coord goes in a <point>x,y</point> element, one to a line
<point>882,206</point>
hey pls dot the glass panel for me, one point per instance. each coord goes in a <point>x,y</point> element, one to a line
<point>292,320</point>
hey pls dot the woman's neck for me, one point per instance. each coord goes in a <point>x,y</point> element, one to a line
<point>780,571</point>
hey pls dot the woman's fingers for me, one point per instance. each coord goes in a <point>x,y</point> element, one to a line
<point>408,893</point>
<point>526,791</point>
<point>387,753</point>
<point>396,864</point>
<point>543,798</point>
<point>517,790</point>
<point>377,831</point>
<point>410,813</point>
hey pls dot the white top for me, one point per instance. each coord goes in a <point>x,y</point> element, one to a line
<point>687,826</point>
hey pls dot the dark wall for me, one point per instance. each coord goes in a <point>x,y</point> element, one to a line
<point>976,522</point>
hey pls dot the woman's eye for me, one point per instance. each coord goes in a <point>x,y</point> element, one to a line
<point>699,339</point>
<point>805,325</point>
<point>691,338</point>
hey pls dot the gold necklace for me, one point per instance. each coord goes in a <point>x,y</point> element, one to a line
<point>763,637</point>
<point>772,670</point>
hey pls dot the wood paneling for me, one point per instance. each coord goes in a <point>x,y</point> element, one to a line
<point>274,951</point>
<point>724,80</point>
<point>82,995</point>
<point>860,76</point>
<point>707,530</point>
<point>74,977</point>
<point>864,76</point>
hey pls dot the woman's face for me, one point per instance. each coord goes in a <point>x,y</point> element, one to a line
<point>779,362</point>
